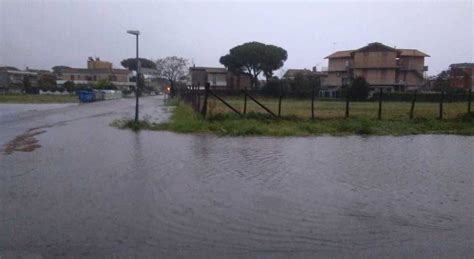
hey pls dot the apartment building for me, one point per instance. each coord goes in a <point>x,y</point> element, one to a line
<point>96,70</point>
<point>382,67</point>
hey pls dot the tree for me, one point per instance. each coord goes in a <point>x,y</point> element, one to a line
<point>172,68</point>
<point>442,81</point>
<point>253,58</point>
<point>47,80</point>
<point>131,63</point>
<point>302,85</point>
<point>26,84</point>
<point>359,89</point>
<point>70,86</point>
<point>104,84</point>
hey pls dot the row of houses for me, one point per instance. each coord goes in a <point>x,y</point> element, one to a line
<point>393,69</point>
<point>14,80</point>
<point>390,68</point>
<point>381,66</point>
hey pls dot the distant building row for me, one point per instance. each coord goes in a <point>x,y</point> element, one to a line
<point>14,80</point>
<point>381,66</point>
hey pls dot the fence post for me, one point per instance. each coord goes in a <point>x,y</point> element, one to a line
<point>245,100</point>
<point>279,105</point>
<point>195,96</point>
<point>192,97</point>
<point>469,96</point>
<point>441,105</point>
<point>347,102</point>
<point>198,97</point>
<point>413,105</point>
<point>380,104</point>
<point>204,104</point>
<point>312,102</point>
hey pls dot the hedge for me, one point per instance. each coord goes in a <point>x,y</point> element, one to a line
<point>421,97</point>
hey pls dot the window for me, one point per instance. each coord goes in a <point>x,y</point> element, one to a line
<point>384,73</point>
<point>95,78</point>
<point>366,53</point>
<point>72,77</point>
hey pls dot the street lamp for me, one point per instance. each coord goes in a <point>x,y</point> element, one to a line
<point>137,91</point>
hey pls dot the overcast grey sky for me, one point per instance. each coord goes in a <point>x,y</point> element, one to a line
<point>41,34</point>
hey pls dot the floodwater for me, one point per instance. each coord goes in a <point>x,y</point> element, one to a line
<point>92,191</point>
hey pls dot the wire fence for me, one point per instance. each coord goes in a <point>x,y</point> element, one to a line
<point>211,102</point>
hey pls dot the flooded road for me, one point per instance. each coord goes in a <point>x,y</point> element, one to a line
<point>92,191</point>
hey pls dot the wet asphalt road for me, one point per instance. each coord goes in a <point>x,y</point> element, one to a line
<point>87,190</point>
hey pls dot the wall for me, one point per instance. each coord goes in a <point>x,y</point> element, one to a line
<point>377,76</point>
<point>339,64</point>
<point>240,81</point>
<point>99,65</point>
<point>410,78</point>
<point>375,59</point>
<point>217,79</point>
<point>417,63</point>
<point>335,78</point>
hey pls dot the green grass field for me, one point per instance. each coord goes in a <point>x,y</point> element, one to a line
<point>222,122</point>
<point>336,109</point>
<point>36,98</point>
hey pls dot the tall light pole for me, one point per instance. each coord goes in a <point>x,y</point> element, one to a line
<point>137,91</point>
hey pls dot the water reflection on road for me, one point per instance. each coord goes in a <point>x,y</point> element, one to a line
<point>96,191</point>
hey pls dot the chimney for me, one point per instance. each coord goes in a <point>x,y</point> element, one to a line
<point>315,69</point>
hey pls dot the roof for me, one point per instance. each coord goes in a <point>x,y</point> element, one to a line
<point>95,71</point>
<point>403,52</point>
<point>210,69</point>
<point>412,53</point>
<point>20,72</point>
<point>5,68</point>
<point>39,71</point>
<point>294,72</point>
<point>341,54</point>
<point>458,65</point>
<point>375,45</point>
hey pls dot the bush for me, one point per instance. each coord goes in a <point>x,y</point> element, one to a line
<point>359,89</point>
<point>70,88</point>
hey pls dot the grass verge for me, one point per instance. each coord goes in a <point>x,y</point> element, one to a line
<point>185,120</point>
<point>37,98</point>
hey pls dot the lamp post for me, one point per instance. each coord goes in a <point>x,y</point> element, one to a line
<point>137,91</point>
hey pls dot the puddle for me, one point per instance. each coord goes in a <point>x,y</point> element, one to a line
<point>25,142</point>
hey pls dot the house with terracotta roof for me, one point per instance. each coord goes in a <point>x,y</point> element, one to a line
<point>218,78</point>
<point>461,76</point>
<point>382,66</point>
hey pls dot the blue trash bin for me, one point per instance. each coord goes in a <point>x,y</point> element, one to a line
<point>86,96</point>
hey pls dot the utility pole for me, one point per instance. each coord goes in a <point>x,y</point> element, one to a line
<point>137,91</point>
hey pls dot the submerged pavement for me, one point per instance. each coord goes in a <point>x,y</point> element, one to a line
<point>72,186</point>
